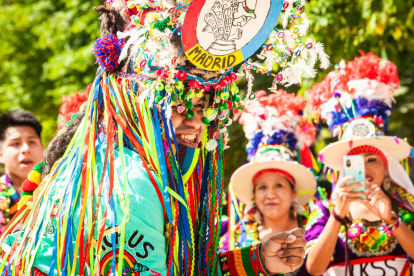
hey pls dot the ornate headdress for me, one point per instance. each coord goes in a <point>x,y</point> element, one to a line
<point>356,100</point>
<point>167,49</point>
<point>278,140</point>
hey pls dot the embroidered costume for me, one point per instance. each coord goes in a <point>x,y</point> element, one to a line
<point>122,199</point>
<point>359,102</point>
<point>374,249</point>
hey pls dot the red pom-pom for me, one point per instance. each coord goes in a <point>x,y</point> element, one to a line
<point>28,186</point>
<point>216,86</point>
<point>233,76</point>
<point>282,101</point>
<point>107,50</point>
<point>181,75</point>
<point>318,95</point>
<point>194,84</point>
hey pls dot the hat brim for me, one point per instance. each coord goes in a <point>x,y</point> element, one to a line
<point>332,154</point>
<point>242,179</point>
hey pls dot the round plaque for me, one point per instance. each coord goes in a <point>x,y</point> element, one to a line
<point>219,34</point>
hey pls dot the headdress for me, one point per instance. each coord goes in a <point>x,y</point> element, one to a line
<point>148,66</point>
<point>356,101</point>
<point>279,142</point>
<point>216,36</point>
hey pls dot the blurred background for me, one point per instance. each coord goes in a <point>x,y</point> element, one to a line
<point>46,52</point>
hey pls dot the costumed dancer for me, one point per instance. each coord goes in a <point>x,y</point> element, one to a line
<point>277,183</point>
<point>138,187</point>
<point>367,228</point>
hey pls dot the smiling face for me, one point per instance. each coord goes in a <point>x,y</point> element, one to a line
<point>273,195</point>
<point>21,150</point>
<point>375,169</point>
<point>189,131</point>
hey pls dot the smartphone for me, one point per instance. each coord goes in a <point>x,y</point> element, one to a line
<point>355,165</point>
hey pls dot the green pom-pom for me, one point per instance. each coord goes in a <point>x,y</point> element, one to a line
<point>190,114</point>
<point>221,107</point>
<point>163,25</point>
<point>39,167</point>
<point>189,105</point>
<point>183,97</point>
<point>27,193</point>
<point>408,217</point>
<point>235,98</point>
<point>206,121</point>
<point>158,99</point>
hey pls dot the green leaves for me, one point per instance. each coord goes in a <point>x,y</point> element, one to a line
<point>46,52</point>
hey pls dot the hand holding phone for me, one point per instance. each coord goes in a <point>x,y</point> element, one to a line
<point>355,165</point>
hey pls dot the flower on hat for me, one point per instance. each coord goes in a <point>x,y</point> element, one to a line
<point>372,67</point>
<point>362,87</point>
<point>283,123</point>
<point>71,104</point>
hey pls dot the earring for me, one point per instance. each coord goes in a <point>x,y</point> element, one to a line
<point>295,213</point>
<point>387,183</point>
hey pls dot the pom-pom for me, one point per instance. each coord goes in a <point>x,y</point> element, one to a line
<point>28,186</point>
<point>34,177</point>
<point>211,144</point>
<point>283,102</point>
<point>162,25</point>
<point>370,66</point>
<point>71,104</point>
<point>24,199</point>
<point>107,50</point>
<point>39,167</point>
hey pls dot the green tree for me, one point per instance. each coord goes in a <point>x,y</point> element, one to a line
<point>45,52</point>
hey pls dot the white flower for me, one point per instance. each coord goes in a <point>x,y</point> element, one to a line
<point>372,90</point>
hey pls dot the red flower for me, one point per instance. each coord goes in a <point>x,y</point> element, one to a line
<point>319,94</point>
<point>370,66</point>
<point>282,101</point>
<point>71,104</point>
<point>387,73</point>
<point>365,66</point>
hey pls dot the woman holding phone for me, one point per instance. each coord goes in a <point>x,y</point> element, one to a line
<point>273,186</point>
<point>366,228</point>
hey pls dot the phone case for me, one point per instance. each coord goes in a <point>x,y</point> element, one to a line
<point>355,165</point>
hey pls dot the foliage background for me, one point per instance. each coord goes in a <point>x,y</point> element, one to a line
<point>46,52</point>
